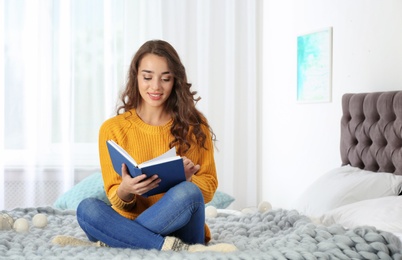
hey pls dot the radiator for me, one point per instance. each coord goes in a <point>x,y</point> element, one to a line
<point>35,188</point>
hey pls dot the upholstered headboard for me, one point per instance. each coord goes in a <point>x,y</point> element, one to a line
<point>371,131</point>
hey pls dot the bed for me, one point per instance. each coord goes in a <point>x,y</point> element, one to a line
<point>358,218</point>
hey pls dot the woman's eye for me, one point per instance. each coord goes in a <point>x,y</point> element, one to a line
<point>147,78</point>
<point>166,80</point>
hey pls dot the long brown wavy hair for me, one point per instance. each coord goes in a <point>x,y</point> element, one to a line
<point>181,102</point>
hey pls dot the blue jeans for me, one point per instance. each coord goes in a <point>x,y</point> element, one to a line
<point>180,213</point>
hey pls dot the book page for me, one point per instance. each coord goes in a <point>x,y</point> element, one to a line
<point>166,157</point>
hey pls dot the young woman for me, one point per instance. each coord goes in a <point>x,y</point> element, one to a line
<point>157,113</point>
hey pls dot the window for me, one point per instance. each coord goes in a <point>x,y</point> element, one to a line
<point>61,59</point>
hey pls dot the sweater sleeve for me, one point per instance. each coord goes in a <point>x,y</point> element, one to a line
<point>206,177</point>
<point>112,129</point>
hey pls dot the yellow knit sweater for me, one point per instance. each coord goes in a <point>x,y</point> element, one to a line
<point>144,142</point>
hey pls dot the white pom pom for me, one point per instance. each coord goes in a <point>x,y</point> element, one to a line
<point>21,225</point>
<point>39,220</point>
<point>211,212</point>
<point>6,222</point>
<point>264,206</point>
<point>248,211</point>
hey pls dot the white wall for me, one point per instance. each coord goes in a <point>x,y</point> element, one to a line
<point>301,141</point>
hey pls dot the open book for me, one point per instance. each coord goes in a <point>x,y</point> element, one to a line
<point>168,166</point>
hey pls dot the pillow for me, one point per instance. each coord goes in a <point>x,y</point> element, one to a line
<point>383,213</point>
<point>220,200</point>
<point>90,187</point>
<point>345,185</point>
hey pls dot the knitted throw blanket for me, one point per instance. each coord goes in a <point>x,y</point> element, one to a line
<point>276,234</point>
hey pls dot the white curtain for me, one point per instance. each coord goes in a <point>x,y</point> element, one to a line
<point>64,63</point>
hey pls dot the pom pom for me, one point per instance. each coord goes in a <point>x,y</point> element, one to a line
<point>21,225</point>
<point>211,212</point>
<point>6,222</point>
<point>264,206</point>
<point>248,211</point>
<point>39,220</point>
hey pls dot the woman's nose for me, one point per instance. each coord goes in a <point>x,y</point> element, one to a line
<point>155,84</point>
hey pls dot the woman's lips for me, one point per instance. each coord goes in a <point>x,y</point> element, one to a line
<point>155,96</point>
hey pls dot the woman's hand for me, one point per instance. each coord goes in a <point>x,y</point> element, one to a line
<point>135,186</point>
<point>189,168</point>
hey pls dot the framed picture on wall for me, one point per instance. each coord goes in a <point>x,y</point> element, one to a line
<point>314,66</point>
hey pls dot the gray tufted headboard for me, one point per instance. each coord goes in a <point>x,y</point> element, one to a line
<point>371,131</point>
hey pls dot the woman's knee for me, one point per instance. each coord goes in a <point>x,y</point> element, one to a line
<point>87,208</point>
<point>188,190</point>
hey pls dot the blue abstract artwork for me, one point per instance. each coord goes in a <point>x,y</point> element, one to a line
<point>314,66</point>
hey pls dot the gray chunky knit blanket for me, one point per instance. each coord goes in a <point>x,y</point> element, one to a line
<point>276,234</point>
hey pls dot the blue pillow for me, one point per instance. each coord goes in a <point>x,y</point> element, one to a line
<point>220,200</point>
<point>90,187</point>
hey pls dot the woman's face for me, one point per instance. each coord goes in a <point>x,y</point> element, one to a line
<point>155,80</point>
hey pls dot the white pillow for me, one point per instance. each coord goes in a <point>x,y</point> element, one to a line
<point>345,185</point>
<point>383,213</point>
